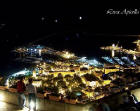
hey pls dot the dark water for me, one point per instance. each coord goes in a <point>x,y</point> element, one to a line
<point>87,44</point>
<point>81,43</point>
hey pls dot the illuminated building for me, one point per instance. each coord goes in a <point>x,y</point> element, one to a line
<point>67,55</point>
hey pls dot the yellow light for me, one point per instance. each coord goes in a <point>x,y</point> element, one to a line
<point>106,82</point>
<point>136,92</point>
<point>67,55</point>
<point>126,88</point>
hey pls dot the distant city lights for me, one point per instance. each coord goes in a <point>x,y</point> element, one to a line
<point>65,72</point>
<point>67,55</point>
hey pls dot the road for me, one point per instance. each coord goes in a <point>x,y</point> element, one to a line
<point>8,107</point>
<point>11,107</point>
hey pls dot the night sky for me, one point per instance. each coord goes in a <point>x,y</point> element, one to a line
<point>82,31</point>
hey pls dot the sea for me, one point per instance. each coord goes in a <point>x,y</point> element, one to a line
<point>83,44</point>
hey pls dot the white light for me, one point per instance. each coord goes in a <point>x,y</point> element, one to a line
<point>7,83</point>
<point>40,52</point>
<point>1,97</point>
<point>25,109</point>
<point>23,72</point>
<point>113,53</point>
<point>56,21</point>
<point>3,105</point>
<point>93,83</point>
<point>113,45</point>
<point>134,57</point>
<point>32,105</point>
<point>43,18</point>
<point>80,18</point>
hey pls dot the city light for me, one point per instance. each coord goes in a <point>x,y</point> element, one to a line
<point>108,59</point>
<point>119,61</point>
<point>63,72</point>
<point>67,55</point>
<point>75,62</point>
<point>20,73</point>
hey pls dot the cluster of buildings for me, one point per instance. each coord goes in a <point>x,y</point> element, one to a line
<point>66,72</point>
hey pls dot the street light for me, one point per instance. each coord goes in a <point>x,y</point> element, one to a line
<point>80,18</point>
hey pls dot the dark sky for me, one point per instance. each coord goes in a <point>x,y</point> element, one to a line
<point>24,28</point>
<point>23,25</point>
